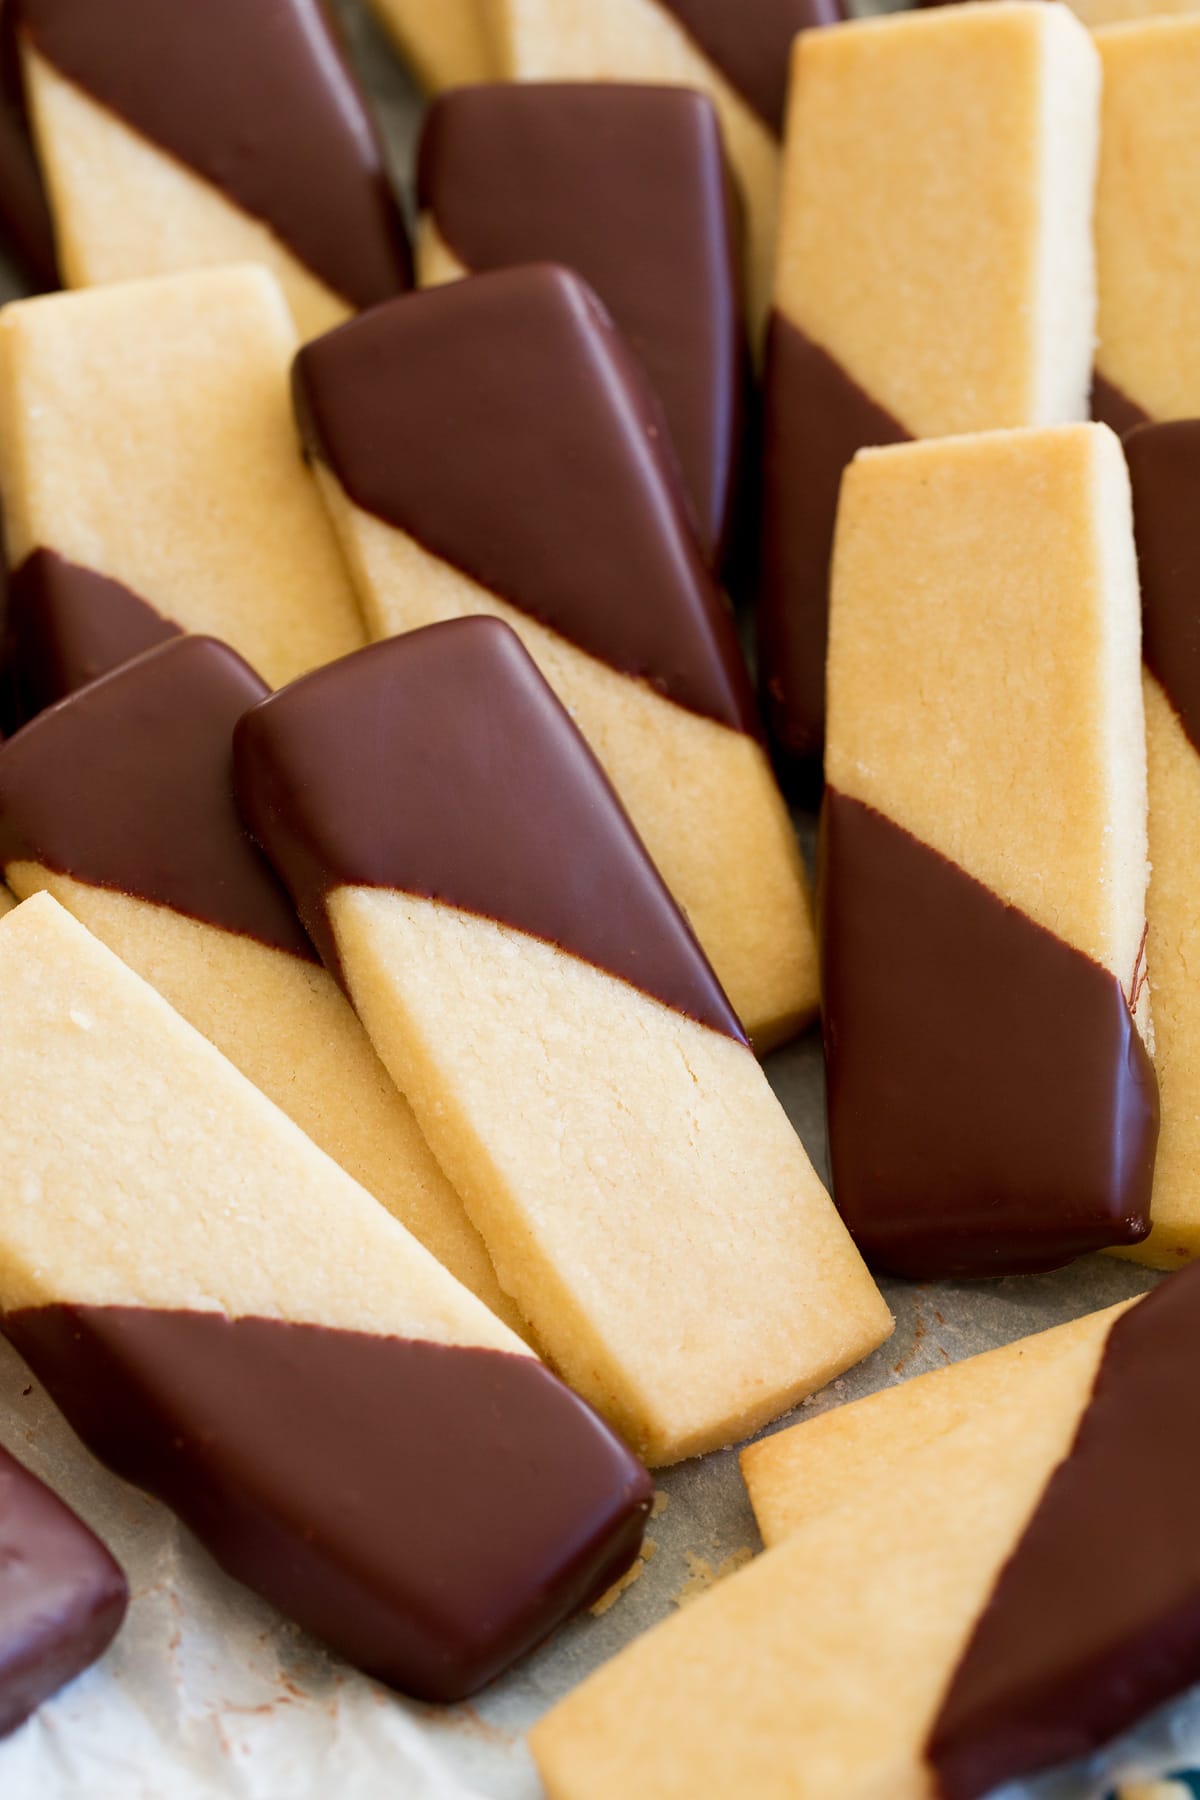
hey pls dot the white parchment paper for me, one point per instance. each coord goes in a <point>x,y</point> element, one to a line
<point>207,1694</point>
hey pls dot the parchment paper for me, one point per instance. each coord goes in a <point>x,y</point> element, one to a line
<point>208,1695</point>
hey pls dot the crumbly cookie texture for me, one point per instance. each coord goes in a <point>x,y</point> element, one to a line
<point>564,1059</point>
<point>146,433</point>
<point>448,44</point>
<point>947,157</point>
<point>637,40</point>
<point>985,591</point>
<point>815,1467</point>
<point>1147,218</point>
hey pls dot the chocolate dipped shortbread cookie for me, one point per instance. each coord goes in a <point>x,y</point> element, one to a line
<point>229,1321</point>
<point>736,55</point>
<point>992,1107</point>
<point>151,483</point>
<point>1148,223</point>
<point>210,132</point>
<point>447,42</point>
<point>460,860</point>
<point>934,276</point>
<point>1164,468</point>
<point>492,447</point>
<point>62,1597</point>
<point>627,186</point>
<point>1009,1592</point>
<point>119,802</point>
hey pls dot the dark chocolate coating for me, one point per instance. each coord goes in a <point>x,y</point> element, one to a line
<point>1112,407</point>
<point>817,419</point>
<point>503,424</point>
<point>62,1597</point>
<point>24,207</point>
<point>440,764</point>
<point>992,1108</point>
<point>1164,468</point>
<point>1095,1619</point>
<point>128,785</point>
<point>627,185</point>
<point>66,625</point>
<point>256,97</point>
<point>750,42</point>
<point>430,1512</point>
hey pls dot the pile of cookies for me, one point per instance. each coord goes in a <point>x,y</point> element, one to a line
<point>401,890</point>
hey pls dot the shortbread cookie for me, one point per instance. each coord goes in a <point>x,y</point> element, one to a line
<point>628,187</point>
<point>227,1319</point>
<point>7,901</point>
<point>992,1107</point>
<point>1148,223</point>
<point>460,860</point>
<point>211,132</point>
<point>1164,466</point>
<point>120,803</point>
<point>62,1597</point>
<point>146,437</point>
<point>934,276</point>
<point>447,42</point>
<point>1009,1595</point>
<point>738,56</point>
<point>491,447</point>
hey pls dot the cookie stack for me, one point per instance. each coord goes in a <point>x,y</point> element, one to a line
<point>402,890</point>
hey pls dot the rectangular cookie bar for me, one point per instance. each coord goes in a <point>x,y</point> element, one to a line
<point>448,42</point>
<point>1007,1594</point>
<point>934,276</point>
<point>62,1597</point>
<point>229,1321</point>
<point>992,1107</point>
<point>146,439</point>
<point>628,186</point>
<point>1164,468</point>
<point>119,802</point>
<point>1148,223</point>
<point>209,132</point>
<point>736,55</point>
<point>460,860</point>
<point>492,447</point>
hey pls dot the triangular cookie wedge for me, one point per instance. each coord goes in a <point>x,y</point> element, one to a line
<point>738,56</point>
<point>447,43</point>
<point>935,275</point>
<point>146,438</point>
<point>228,1320</point>
<point>492,447</point>
<point>627,186</point>
<point>210,132</point>
<point>1164,468</point>
<point>62,1597</point>
<point>1008,1595</point>
<point>119,802</point>
<point>458,856</point>
<point>1148,223</point>
<point>992,1105</point>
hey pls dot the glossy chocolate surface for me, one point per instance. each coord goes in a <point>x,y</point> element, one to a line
<point>503,424</point>
<point>627,185</point>
<point>1095,1619</point>
<point>431,1512</point>
<point>257,99</point>
<point>65,625</point>
<point>1164,469</point>
<point>750,43</point>
<point>817,419</point>
<point>992,1108</point>
<point>62,1597</point>
<point>1113,408</point>
<point>440,764</point>
<point>128,785</point>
